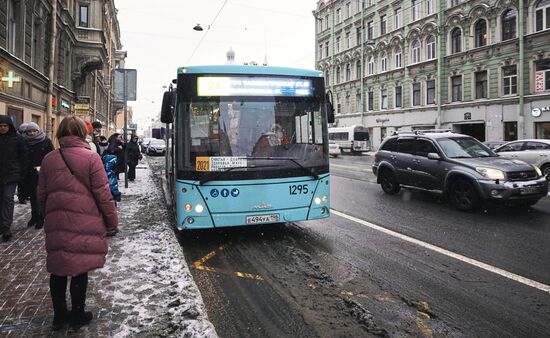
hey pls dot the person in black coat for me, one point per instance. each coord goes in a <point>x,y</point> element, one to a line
<point>116,147</point>
<point>133,155</point>
<point>39,145</point>
<point>13,166</point>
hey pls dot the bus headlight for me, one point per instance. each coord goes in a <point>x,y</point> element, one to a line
<point>188,207</point>
<point>317,200</point>
<point>199,208</point>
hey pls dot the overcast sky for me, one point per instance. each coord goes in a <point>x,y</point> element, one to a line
<point>159,38</point>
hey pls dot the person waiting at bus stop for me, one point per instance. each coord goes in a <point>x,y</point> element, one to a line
<point>73,194</point>
<point>133,155</point>
<point>39,145</point>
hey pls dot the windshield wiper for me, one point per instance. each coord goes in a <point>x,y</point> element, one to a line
<point>215,174</point>
<point>293,160</point>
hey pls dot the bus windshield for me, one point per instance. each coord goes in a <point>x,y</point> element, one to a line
<point>260,129</point>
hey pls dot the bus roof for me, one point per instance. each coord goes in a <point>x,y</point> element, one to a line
<point>253,70</point>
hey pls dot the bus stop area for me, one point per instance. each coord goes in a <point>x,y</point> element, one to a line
<point>144,289</point>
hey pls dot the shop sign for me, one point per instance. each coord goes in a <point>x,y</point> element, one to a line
<point>65,104</point>
<point>82,106</point>
<point>537,112</point>
<point>467,116</point>
<point>382,120</point>
<point>539,81</point>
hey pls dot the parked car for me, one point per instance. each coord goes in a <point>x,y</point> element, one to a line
<point>457,166</point>
<point>156,147</point>
<point>494,144</point>
<point>334,149</point>
<point>144,143</point>
<point>532,151</point>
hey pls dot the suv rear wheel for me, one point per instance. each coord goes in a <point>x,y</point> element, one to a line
<point>464,196</point>
<point>388,182</point>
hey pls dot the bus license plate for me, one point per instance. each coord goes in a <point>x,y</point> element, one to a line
<point>529,190</point>
<point>262,219</point>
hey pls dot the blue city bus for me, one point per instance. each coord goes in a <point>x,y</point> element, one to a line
<point>247,145</point>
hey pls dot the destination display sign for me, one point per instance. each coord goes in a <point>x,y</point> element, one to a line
<point>219,163</point>
<point>253,86</point>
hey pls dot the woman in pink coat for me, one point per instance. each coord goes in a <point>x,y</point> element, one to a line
<point>74,196</point>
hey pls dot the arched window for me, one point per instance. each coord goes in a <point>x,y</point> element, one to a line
<point>398,59</point>
<point>509,24</point>
<point>456,40</point>
<point>415,51</point>
<point>430,47</point>
<point>383,62</point>
<point>370,66</point>
<point>542,15</point>
<point>348,72</point>
<point>481,33</point>
<point>337,80</point>
<point>358,70</point>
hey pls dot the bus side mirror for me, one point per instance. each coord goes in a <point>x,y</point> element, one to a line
<point>167,108</point>
<point>330,108</point>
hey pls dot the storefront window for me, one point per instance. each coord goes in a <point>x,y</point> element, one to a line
<point>542,130</point>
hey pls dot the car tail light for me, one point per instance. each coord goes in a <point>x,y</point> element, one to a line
<point>376,156</point>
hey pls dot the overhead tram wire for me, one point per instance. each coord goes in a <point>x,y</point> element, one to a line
<point>204,35</point>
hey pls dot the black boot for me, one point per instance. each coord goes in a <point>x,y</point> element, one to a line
<point>6,236</point>
<point>58,287</point>
<point>79,318</point>
<point>31,223</point>
<point>39,224</point>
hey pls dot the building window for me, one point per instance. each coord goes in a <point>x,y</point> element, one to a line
<point>338,105</point>
<point>509,24</point>
<point>349,40</point>
<point>348,10</point>
<point>12,25</point>
<point>338,45</point>
<point>456,85</point>
<point>542,15</point>
<point>456,2</point>
<point>384,99</point>
<point>84,15</point>
<point>358,102</point>
<point>382,25</point>
<point>372,2</point>
<point>371,100</point>
<point>456,40</point>
<point>416,93</point>
<point>358,70</point>
<point>338,15</point>
<point>509,80</point>
<point>430,7</point>
<point>481,33</point>
<point>370,31</point>
<point>398,57</point>
<point>542,75</point>
<point>348,72</point>
<point>320,51</point>
<point>359,4</point>
<point>370,66</point>
<point>430,92</point>
<point>383,62</point>
<point>481,84</point>
<point>327,77</point>
<point>338,79</point>
<point>398,96</point>
<point>416,6</point>
<point>358,35</point>
<point>326,21</point>
<point>430,47</point>
<point>415,51</point>
<point>327,50</point>
<point>397,18</point>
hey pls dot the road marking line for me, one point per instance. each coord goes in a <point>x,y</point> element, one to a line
<point>484,266</point>
<point>348,167</point>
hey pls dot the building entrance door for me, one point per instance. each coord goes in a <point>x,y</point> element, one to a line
<point>476,130</point>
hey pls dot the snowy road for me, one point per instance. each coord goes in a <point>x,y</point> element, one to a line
<point>337,277</point>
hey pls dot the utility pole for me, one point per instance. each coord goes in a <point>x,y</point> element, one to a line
<point>51,68</point>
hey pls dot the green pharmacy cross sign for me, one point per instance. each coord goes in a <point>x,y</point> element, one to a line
<point>10,79</point>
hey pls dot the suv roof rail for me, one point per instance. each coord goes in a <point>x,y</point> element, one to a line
<point>401,132</point>
<point>422,131</point>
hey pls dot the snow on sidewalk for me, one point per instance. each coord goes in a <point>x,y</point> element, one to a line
<point>146,277</point>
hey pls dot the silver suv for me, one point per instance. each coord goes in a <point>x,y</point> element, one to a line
<point>458,166</point>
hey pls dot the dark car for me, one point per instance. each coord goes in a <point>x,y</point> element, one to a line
<point>458,166</point>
